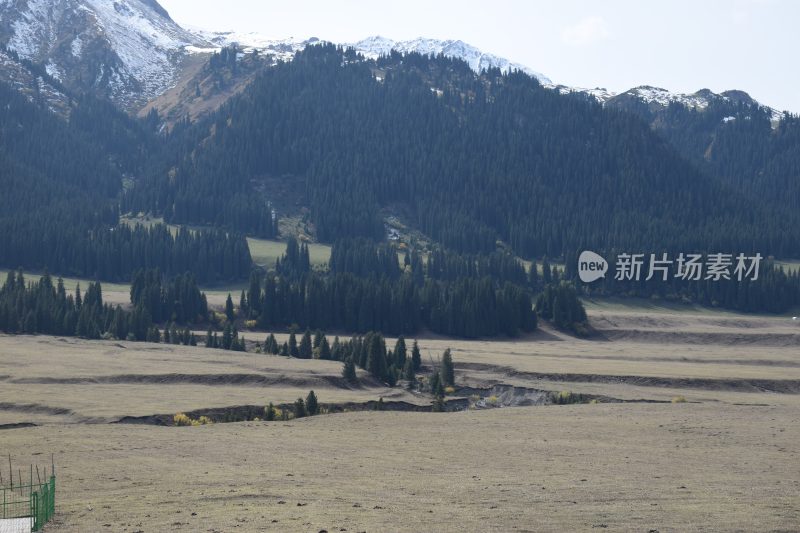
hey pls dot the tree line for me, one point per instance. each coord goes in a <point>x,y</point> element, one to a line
<point>45,306</point>
<point>115,253</point>
<point>466,308</point>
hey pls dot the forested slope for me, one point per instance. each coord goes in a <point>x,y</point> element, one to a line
<point>473,158</point>
<point>62,180</point>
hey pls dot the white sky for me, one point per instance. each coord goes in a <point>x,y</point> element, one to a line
<point>680,45</point>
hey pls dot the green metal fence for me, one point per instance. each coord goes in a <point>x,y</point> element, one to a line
<point>30,504</point>
<point>43,503</point>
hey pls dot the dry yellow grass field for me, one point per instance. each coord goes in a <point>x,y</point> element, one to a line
<point>676,467</point>
<point>726,460</point>
<point>104,381</point>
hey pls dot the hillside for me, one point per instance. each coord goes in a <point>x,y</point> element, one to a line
<point>468,158</point>
<point>751,147</point>
<point>62,180</point>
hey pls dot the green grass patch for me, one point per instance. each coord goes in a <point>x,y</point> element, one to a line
<point>266,252</point>
<point>147,221</point>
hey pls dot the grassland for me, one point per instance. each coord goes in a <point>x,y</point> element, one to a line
<point>120,293</point>
<point>677,467</point>
<point>114,293</point>
<point>266,252</point>
<point>106,381</point>
<point>726,460</point>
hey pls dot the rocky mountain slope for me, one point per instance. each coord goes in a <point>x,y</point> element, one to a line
<point>129,51</point>
<point>34,83</point>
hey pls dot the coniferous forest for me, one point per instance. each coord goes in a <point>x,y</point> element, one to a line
<point>44,306</point>
<point>365,290</point>
<point>62,183</point>
<point>473,159</point>
<point>492,168</point>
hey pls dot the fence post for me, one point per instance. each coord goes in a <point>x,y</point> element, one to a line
<point>53,494</point>
<point>34,511</point>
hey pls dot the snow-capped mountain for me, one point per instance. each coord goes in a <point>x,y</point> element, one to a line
<point>376,46</point>
<point>657,98</point>
<point>128,50</point>
<point>133,52</point>
<point>373,47</point>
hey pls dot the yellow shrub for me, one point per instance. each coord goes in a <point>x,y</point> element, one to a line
<point>492,400</point>
<point>181,419</point>
<point>250,324</point>
<point>449,390</point>
<point>678,399</point>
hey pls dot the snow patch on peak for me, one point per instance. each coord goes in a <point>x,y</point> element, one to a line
<point>600,94</point>
<point>53,70</point>
<point>136,46</point>
<point>282,49</point>
<point>33,86</point>
<point>697,100</point>
<point>144,41</point>
<point>376,46</point>
<point>663,97</point>
<point>371,48</point>
<point>33,30</point>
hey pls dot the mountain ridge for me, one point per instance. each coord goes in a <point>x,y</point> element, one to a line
<point>133,52</point>
<point>375,46</point>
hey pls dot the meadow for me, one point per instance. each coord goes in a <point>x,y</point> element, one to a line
<point>694,425</point>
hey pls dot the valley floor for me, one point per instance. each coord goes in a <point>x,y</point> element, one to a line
<point>681,467</point>
<point>728,459</point>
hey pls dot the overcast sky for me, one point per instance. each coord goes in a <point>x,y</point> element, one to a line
<point>680,45</point>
